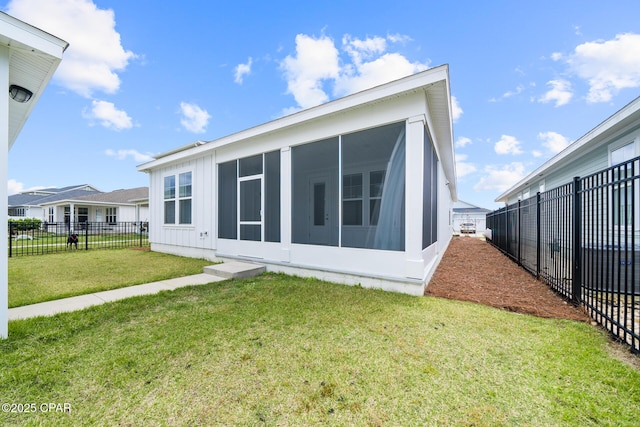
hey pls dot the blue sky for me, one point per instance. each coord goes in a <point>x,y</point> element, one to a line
<point>144,77</point>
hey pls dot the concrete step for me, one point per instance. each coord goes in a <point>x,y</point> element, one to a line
<point>235,270</point>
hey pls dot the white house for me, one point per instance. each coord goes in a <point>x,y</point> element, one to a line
<point>28,204</point>
<point>81,203</point>
<point>612,142</point>
<point>28,59</point>
<point>357,190</point>
<point>125,205</point>
<point>464,212</point>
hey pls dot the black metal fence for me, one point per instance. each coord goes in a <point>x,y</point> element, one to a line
<point>583,240</point>
<point>63,236</point>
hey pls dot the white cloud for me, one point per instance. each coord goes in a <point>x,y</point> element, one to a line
<point>14,187</point>
<point>608,66</point>
<point>501,179</point>
<point>315,60</point>
<point>399,38</point>
<point>508,145</point>
<point>135,154</point>
<point>553,141</point>
<point>560,92</point>
<point>242,70</point>
<point>108,115</point>
<point>462,167</point>
<point>194,119</point>
<point>515,92</point>
<point>360,50</point>
<point>365,75</point>
<point>365,64</point>
<point>462,142</point>
<point>95,52</point>
<point>456,110</point>
<point>518,90</point>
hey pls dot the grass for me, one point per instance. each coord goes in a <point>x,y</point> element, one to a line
<point>280,350</point>
<point>34,279</point>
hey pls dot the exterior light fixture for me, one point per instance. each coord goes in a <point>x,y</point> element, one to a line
<point>20,94</point>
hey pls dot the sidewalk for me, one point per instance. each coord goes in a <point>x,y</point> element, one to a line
<point>214,273</point>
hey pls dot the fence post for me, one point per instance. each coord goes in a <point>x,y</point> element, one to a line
<point>577,241</point>
<point>10,242</point>
<point>538,234</point>
<point>506,229</point>
<point>519,232</point>
<point>86,236</point>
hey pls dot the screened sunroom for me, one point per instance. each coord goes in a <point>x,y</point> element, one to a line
<point>357,191</point>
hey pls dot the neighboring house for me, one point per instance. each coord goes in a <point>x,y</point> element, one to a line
<point>29,204</point>
<point>84,203</point>
<point>28,59</point>
<point>116,206</point>
<point>612,142</point>
<point>466,213</point>
<point>357,190</point>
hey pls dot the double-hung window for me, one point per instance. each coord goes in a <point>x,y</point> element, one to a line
<point>177,202</point>
<point>352,199</point>
<point>111,215</point>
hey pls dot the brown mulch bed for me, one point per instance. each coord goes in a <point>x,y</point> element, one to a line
<point>473,270</point>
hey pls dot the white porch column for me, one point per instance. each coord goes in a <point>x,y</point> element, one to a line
<point>4,215</point>
<point>285,204</point>
<point>414,264</point>
<point>72,216</point>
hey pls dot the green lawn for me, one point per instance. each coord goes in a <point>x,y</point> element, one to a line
<point>280,350</point>
<point>41,278</point>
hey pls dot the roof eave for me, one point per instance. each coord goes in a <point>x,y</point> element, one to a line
<point>418,81</point>
<point>590,140</point>
<point>26,43</point>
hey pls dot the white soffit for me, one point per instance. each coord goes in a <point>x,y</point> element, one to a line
<point>34,56</point>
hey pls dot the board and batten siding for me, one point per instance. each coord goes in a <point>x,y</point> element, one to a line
<point>200,234</point>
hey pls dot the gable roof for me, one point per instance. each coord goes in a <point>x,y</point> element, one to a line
<point>465,207</point>
<point>24,199</point>
<point>128,196</point>
<point>434,83</point>
<point>615,124</point>
<point>36,197</point>
<point>66,195</point>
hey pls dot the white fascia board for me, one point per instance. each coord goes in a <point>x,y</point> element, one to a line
<point>408,84</point>
<point>580,147</point>
<point>29,37</point>
<point>85,202</point>
<point>440,120</point>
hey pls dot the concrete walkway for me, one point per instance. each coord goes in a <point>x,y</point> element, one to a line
<point>213,273</point>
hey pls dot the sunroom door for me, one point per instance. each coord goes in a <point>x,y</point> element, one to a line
<point>251,209</point>
<point>320,224</point>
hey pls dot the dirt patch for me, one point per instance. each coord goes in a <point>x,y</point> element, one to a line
<point>474,270</point>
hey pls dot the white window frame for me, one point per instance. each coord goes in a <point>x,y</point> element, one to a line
<point>111,215</point>
<point>177,198</point>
